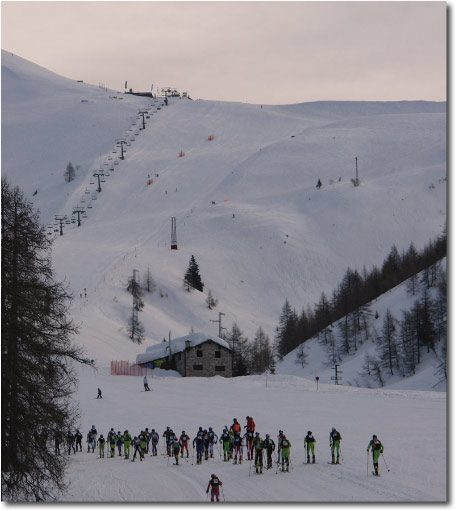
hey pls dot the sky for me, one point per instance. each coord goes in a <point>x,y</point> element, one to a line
<point>255,52</point>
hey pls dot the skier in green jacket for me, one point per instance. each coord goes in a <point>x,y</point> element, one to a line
<point>127,443</point>
<point>225,440</point>
<point>284,446</point>
<point>101,442</point>
<point>334,442</point>
<point>377,448</point>
<point>309,445</point>
<point>257,447</point>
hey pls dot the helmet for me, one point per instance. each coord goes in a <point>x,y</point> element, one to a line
<point>126,431</point>
<point>280,431</point>
<point>93,426</point>
<point>267,435</point>
<point>374,436</point>
<point>210,429</point>
<point>234,420</point>
<point>153,429</point>
<point>333,429</point>
<point>205,431</point>
<point>247,417</point>
<point>118,432</point>
<point>309,432</point>
<point>212,475</point>
<point>257,433</point>
<point>183,432</point>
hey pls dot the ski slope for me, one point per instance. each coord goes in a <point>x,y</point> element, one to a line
<point>405,421</point>
<point>271,235</point>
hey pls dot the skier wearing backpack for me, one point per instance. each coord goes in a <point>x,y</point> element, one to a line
<point>199,446</point>
<point>101,444</point>
<point>237,445</point>
<point>212,440</point>
<point>206,444</point>
<point>137,446</point>
<point>155,438</point>
<point>334,442</point>
<point>225,440</point>
<point>111,438</point>
<point>250,426</point>
<point>127,443</point>
<point>258,446</point>
<point>119,442</point>
<point>249,436</point>
<point>214,484</point>
<point>285,445</point>
<point>269,445</point>
<point>377,448</point>
<point>70,442</point>
<point>309,445</point>
<point>78,437</point>
<point>279,448</point>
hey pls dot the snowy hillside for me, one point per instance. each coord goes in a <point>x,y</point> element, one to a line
<point>270,235</point>
<point>318,364</point>
<point>248,209</point>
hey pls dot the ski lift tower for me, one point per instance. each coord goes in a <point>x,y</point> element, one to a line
<point>173,234</point>
<point>61,219</point>
<point>78,211</point>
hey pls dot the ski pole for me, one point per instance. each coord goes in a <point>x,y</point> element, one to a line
<point>367,463</point>
<point>250,467</point>
<point>385,463</point>
<point>341,456</point>
<point>223,494</point>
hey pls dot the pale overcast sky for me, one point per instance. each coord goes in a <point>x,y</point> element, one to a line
<point>256,52</point>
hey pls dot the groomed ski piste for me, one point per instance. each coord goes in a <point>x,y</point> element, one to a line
<point>271,235</point>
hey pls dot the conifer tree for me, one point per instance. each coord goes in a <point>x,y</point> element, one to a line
<point>192,278</point>
<point>38,376</point>
<point>240,350</point>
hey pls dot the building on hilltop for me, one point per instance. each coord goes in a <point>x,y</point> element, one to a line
<point>197,354</point>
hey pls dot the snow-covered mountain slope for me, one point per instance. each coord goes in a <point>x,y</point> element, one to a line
<point>403,421</point>
<point>270,235</point>
<point>397,300</point>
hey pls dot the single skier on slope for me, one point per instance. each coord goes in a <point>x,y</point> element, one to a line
<point>309,445</point>
<point>146,384</point>
<point>285,445</point>
<point>377,448</point>
<point>214,485</point>
<point>334,442</point>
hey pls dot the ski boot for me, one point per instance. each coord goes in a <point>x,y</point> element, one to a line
<point>337,461</point>
<point>308,459</point>
<point>333,460</point>
<point>313,459</point>
<point>261,469</point>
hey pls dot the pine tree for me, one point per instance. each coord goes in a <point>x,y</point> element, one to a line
<point>192,278</point>
<point>135,328</point>
<point>134,288</point>
<point>286,336</point>
<point>388,347</point>
<point>260,352</point>
<point>149,283</point>
<point>240,350</point>
<point>38,376</point>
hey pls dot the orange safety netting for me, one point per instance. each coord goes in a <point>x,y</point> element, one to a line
<point>126,368</point>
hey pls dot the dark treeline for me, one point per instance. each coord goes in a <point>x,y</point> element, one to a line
<point>349,300</point>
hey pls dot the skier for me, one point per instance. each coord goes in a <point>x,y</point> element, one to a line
<point>120,441</point>
<point>146,384</point>
<point>94,433</point>
<point>99,396</point>
<point>258,446</point>
<point>70,442</point>
<point>184,438</point>
<point>137,446</point>
<point>248,443</point>
<point>101,444</point>
<point>279,449</point>
<point>214,484</point>
<point>225,440</point>
<point>127,443</point>
<point>199,447</point>
<point>175,447</point>
<point>319,185</point>
<point>377,448</point>
<point>269,445</point>
<point>213,438</point>
<point>235,427</point>
<point>285,445</point>
<point>111,438</point>
<point>78,438</point>
<point>147,437</point>
<point>250,426</point>
<point>237,445</point>
<point>142,440</point>
<point>309,445</point>
<point>167,433</point>
<point>334,442</point>
<point>155,439</point>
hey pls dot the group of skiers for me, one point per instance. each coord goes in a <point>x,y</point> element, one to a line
<point>232,440</point>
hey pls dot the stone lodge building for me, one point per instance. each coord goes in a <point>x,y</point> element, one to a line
<point>197,354</point>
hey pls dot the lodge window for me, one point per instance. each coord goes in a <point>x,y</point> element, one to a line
<point>197,367</point>
<point>199,353</point>
<point>219,368</point>
<point>218,354</point>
